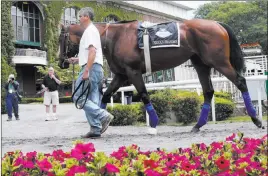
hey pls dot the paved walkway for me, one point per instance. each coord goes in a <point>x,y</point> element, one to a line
<point>33,133</point>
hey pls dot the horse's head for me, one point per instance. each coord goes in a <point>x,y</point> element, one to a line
<point>69,43</point>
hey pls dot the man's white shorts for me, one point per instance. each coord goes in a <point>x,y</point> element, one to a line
<point>51,96</point>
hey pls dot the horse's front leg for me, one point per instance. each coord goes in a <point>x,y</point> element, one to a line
<point>135,76</point>
<point>116,83</point>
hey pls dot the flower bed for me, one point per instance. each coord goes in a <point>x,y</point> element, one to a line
<point>236,156</point>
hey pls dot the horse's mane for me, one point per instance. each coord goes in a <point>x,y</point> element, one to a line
<point>117,22</point>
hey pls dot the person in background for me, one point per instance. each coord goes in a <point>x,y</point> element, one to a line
<point>12,86</point>
<point>50,85</point>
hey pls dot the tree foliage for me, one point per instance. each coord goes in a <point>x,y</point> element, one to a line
<point>247,19</point>
<point>7,48</point>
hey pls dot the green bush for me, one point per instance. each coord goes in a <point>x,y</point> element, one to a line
<point>125,114</point>
<point>224,95</point>
<point>161,101</point>
<point>67,99</point>
<point>224,108</point>
<point>186,106</point>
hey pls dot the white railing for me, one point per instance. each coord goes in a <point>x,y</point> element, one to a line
<point>195,85</point>
<point>257,65</point>
<point>30,52</point>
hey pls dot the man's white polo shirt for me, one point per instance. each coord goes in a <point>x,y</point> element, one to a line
<point>91,36</point>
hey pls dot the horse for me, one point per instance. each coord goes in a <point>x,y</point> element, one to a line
<point>208,44</point>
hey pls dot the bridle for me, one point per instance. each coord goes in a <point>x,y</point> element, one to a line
<point>68,48</point>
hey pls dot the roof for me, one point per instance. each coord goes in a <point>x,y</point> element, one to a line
<point>178,5</point>
<point>249,45</point>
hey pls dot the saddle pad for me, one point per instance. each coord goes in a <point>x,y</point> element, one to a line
<point>160,35</point>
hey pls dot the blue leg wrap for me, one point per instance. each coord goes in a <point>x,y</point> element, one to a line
<point>249,106</point>
<point>203,115</point>
<point>152,114</point>
<point>103,105</point>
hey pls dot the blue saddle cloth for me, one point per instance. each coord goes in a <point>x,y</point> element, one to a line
<point>160,35</point>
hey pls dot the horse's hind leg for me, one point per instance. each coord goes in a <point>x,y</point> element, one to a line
<point>240,82</point>
<point>136,78</point>
<point>117,81</point>
<point>203,72</point>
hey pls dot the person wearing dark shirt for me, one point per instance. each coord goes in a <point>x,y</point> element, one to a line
<point>12,87</point>
<point>50,85</point>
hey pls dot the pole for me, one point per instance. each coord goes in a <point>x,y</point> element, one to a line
<point>73,81</point>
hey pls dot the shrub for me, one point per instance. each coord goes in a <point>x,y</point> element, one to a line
<point>186,105</point>
<point>224,108</point>
<point>125,114</point>
<point>224,95</point>
<point>66,99</point>
<point>161,101</point>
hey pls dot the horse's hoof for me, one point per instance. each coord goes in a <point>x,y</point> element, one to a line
<point>257,122</point>
<point>152,131</point>
<point>195,130</point>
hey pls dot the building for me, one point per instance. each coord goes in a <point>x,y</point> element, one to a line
<point>31,23</point>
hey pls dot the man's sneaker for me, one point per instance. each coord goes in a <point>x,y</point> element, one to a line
<point>9,119</point>
<point>48,118</point>
<point>55,118</point>
<point>105,122</point>
<point>91,135</point>
<point>17,118</point>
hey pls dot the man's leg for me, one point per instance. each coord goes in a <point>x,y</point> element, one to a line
<point>55,102</point>
<point>9,107</point>
<point>47,101</point>
<point>15,105</point>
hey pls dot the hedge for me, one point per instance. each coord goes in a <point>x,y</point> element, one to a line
<point>186,106</point>
<point>126,114</point>
<point>67,99</point>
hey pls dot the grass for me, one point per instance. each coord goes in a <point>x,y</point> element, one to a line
<point>229,120</point>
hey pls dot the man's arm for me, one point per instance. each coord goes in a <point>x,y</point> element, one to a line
<point>16,85</point>
<point>90,61</point>
<point>56,79</point>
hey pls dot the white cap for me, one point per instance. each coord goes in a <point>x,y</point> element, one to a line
<point>11,76</point>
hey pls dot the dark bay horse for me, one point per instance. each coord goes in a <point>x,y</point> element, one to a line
<point>208,44</point>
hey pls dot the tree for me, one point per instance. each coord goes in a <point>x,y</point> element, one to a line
<point>247,19</point>
<point>7,49</point>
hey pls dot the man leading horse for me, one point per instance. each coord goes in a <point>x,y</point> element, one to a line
<point>90,59</point>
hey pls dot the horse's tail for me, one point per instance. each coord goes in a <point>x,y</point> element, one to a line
<point>236,55</point>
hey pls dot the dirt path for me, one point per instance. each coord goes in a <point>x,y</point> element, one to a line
<point>33,133</point>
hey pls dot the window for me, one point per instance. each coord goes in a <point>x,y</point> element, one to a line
<point>26,21</point>
<point>111,19</point>
<point>69,16</point>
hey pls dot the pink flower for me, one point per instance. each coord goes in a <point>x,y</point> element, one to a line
<point>82,151</point>
<point>231,138</point>
<point>150,172</point>
<point>60,155</point>
<point>44,165</point>
<point>187,166</point>
<point>31,155</point>
<point>76,169</point>
<point>203,146</point>
<point>18,161</point>
<point>150,163</point>
<point>111,168</point>
<point>222,163</point>
<point>28,164</point>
